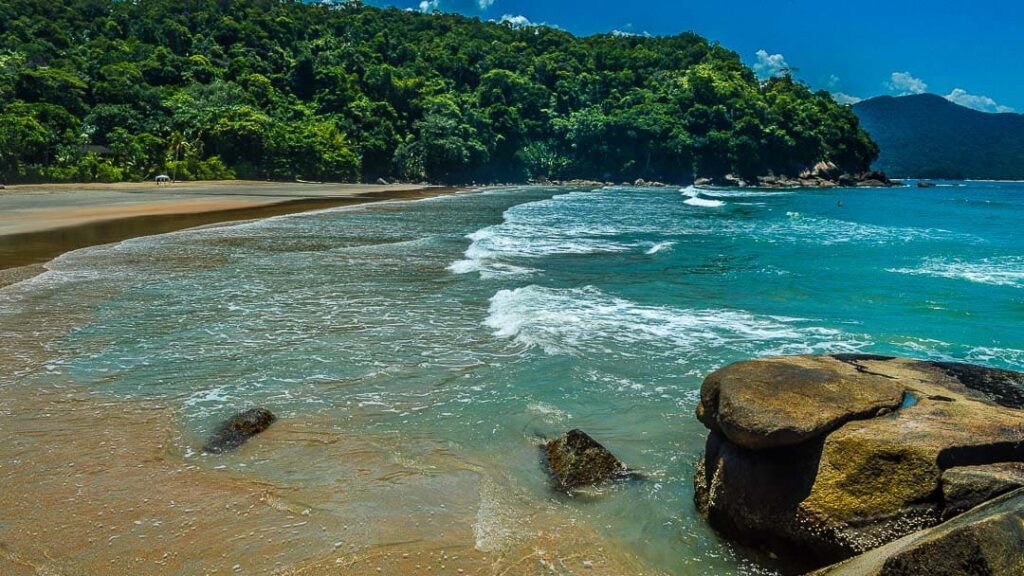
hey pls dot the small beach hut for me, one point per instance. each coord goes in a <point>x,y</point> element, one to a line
<point>163,178</point>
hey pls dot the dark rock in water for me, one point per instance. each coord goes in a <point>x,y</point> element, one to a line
<point>577,460</point>
<point>965,487</point>
<point>986,541</point>
<point>820,458</point>
<point>925,185</point>
<point>239,428</point>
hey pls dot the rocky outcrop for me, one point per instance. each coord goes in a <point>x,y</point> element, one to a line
<point>820,458</point>
<point>986,541</point>
<point>825,177</point>
<point>233,432</point>
<point>965,487</point>
<point>576,460</point>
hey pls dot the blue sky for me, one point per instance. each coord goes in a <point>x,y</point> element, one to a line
<point>971,53</point>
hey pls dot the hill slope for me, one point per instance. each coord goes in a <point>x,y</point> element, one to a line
<point>335,90</point>
<point>926,136</point>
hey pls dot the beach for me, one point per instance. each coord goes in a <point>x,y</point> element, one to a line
<point>40,222</point>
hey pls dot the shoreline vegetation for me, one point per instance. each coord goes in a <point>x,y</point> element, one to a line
<point>107,91</point>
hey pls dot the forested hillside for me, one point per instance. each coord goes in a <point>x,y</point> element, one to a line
<point>109,90</point>
<point>927,136</point>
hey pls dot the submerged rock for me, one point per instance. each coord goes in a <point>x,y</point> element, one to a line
<point>820,458</point>
<point>576,460</point>
<point>236,430</point>
<point>986,541</point>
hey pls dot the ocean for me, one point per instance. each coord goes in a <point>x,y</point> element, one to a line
<point>480,324</point>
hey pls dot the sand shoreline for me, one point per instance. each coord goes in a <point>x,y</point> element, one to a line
<point>41,222</point>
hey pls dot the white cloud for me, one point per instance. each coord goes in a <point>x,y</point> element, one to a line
<point>485,4</point>
<point>430,5</point>
<point>982,103</point>
<point>904,83</point>
<point>769,65</point>
<point>832,82</point>
<point>842,98</point>
<point>516,21</point>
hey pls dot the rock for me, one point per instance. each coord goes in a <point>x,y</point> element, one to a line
<point>703,182</point>
<point>575,460</point>
<point>820,458</point>
<point>236,430</point>
<point>826,170</point>
<point>925,185</point>
<point>382,182</point>
<point>734,181</point>
<point>872,183</point>
<point>784,401</point>
<point>986,541</point>
<point>640,182</point>
<point>846,180</point>
<point>965,487</point>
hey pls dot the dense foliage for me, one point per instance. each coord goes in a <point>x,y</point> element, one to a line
<point>112,89</point>
<point>927,136</point>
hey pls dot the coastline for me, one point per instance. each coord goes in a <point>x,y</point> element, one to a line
<point>40,222</point>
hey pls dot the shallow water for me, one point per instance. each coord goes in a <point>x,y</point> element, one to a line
<point>476,325</point>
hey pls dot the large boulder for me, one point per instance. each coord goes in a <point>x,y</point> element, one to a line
<point>234,431</point>
<point>576,460</point>
<point>986,541</point>
<point>820,458</point>
<point>785,401</point>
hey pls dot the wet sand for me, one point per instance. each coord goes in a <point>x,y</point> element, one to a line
<point>93,484</point>
<point>40,222</point>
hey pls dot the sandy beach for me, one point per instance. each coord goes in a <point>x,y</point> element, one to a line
<point>40,222</point>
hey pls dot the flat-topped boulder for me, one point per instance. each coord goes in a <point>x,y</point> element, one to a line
<point>778,402</point>
<point>824,457</point>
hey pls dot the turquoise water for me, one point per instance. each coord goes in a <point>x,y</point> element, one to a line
<point>484,322</point>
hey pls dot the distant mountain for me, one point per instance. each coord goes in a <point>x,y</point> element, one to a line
<point>927,136</point>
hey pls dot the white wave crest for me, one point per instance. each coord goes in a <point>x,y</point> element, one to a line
<point>659,247</point>
<point>999,271</point>
<point>693,199</point>
<point>545,228</point>
<point>586,320</point>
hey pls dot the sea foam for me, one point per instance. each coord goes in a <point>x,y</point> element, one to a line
<point>998,271</point>
<point>586,320</point>
<point>693,199</point>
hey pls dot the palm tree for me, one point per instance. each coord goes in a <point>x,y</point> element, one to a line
<point>178,143</point>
